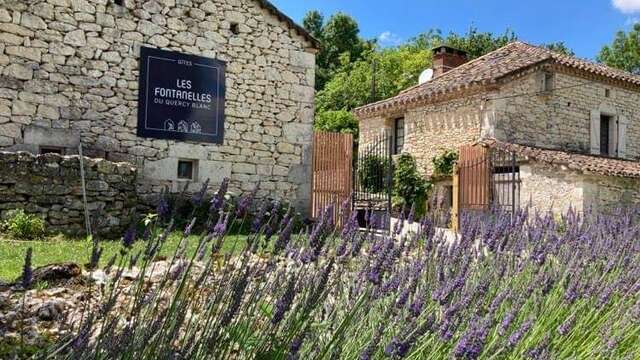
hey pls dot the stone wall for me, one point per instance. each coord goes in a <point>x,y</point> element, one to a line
<point>606,192</point>
<point>545,189</point>
<point>551,188</point>
<point>560,119</point>
<point>50,186</point>
<point>71,66</point>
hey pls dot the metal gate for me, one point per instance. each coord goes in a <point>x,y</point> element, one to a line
<point>488,179</point>
<point>373,177</point>
<point>331,172</point>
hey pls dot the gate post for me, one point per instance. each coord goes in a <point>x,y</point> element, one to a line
<point>455,208</point>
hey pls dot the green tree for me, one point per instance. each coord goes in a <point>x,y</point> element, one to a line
<point>396,70</point>
<point>341,121</point>
<point>340,38</point>
<point>559,47</point>
<point>624,52</point>
<point>313,22</point>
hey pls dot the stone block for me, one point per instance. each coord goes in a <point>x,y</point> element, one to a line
<point>18,71</point>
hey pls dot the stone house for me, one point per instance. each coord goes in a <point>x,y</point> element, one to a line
<point>69,74</point>
<point>573,125</point>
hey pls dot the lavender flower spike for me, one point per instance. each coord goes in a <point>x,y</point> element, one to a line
<point>129,237</point>
<point>27,271</point>
<point>284,303</point>
<point>515,338</point>
<point>218,198</point>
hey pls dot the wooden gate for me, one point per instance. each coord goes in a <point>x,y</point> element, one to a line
<point>488,178</point>
<point>474,178</point>
<point>332,172</point>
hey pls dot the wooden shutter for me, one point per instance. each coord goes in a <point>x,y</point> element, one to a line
<point>613,137</point>
<point>623,123</point>
<point>595,132</point>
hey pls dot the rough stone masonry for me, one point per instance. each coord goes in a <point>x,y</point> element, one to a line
<point>69,74</point>
<point>50,186</point>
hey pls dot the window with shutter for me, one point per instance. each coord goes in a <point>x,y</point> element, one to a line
<point>605,122</point>
<point>398,133</point>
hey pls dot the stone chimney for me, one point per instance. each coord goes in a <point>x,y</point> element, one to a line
<point>446,58</point>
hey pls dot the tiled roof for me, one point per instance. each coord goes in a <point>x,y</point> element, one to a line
<point>283,17</point>
<point>573,161</point>
<point>490,68</point>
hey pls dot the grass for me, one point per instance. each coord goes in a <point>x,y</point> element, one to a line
<point>60,249</point>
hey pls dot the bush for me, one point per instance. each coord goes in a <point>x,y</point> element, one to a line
<point>372,173</point>
<point>341,121</point>
<point>409,186</point>
<point>515,285</point>
<point>24,226</point>
<point>443,163</point>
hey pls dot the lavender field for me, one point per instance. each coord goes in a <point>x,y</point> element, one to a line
<point>531,286</point>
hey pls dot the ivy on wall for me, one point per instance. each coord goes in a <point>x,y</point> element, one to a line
<point>443,164</point>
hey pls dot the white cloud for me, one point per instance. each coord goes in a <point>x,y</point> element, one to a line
<point>627,6</point>
<point>388,38</point>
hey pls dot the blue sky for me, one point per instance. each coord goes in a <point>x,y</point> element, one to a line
<point>584,25</point>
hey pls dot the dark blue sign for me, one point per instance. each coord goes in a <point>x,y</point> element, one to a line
<point>181,96</point>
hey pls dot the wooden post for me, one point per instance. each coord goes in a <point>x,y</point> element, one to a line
<point>87,219</point>
<point>455,209</point>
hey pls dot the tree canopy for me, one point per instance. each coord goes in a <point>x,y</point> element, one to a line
<point>347,64</point>
<point>624,52</point>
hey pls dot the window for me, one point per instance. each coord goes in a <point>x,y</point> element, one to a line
<point>235,28</point>
<point>187,169</point>
<point>605,127</point>
<point>607,93</point>
<point>398,136</point>
<point>119,2</point>
<point>548,80</point>
<point>51,150</point>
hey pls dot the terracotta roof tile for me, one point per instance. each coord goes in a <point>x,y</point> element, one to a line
<point>492,67</point>
<point>574,161</point>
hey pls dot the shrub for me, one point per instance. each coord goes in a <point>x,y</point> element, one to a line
<point>25,226</point>
<point>443,163</point>
<point>512,284</point>
<point>372,172</point>
<point>409,186</point>
<point>341,121</point>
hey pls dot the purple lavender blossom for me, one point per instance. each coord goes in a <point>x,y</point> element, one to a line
<point>472,341</point>
<point>396,348</point>
<point>218,198</point>
<point>27,271</point>
<point>506,322</point>
<point>416,307</point>
<point>197,198</point>
<point>412,214</point>
<point>96,254</point>
<point>162,209</point>
<point>517,335</point>
<point>129,237</point>
<point>236,299</point>
<point>189,228</point>
<point>244,203</point>
<point>283,237</point>
<point>295,347</point>
<point>567,325</point>
<point>284,303</point>
<point>256,225</point>
<point>221,225</point>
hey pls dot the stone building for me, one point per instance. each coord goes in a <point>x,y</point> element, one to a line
<point>70,74</point>
<point>574,125</point>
